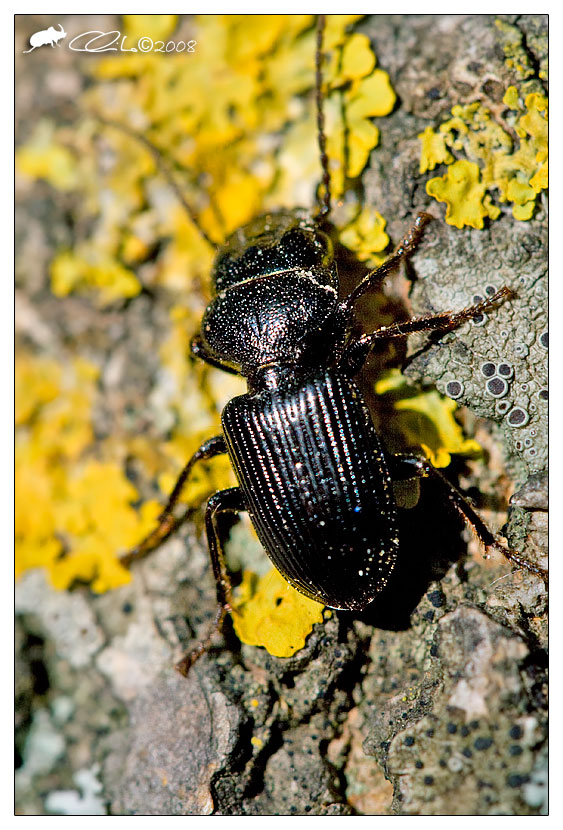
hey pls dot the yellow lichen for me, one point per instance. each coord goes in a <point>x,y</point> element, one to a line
<point>44,157</point>
<point>426,420</point>
<point>270,613</point>
<point>98,520</point>
<point>37,382</point>
<point>493,167</point>
<point>155,26</point>
<point>511,98</point>
<point>73,513</point>
<point>72,271</point>
<point>365,235</point>
<point>351,135</point>
<point>357,58</point>
<point>462,190</point>
<point>434,150</point>
<point>516,53</point>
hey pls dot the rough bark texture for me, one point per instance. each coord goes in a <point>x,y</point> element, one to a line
<point>431,703</point>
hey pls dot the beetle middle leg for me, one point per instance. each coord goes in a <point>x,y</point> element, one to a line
<point>405,466</point>
<point>224,501</point>
<point>167,521</point>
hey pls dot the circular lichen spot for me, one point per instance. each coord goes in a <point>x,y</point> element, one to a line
<point>544,340</point>
<point>490,290</point>
<point>488,369</point>
<point>455,389</point>
<point>505,370</point>
<point>502,407</point>
<point>517,417</point>
<point>521,350</point>
<point>497,387</point>
<point>543,395</point>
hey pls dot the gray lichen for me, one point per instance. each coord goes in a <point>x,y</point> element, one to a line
<point>501,359</point>
<point>461,743</point>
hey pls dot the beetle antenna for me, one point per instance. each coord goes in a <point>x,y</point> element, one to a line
<point>165,169</point>
<point>324,204</point>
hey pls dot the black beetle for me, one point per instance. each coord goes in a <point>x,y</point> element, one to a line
<point>312,472</point>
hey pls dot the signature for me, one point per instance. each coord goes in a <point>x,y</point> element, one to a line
<point>114,41</point>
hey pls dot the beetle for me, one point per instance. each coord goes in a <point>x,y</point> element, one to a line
<point>45,36</point>
<point>312,472</point>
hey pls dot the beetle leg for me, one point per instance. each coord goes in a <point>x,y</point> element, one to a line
<point>225,501</point>
<point>404,249</point>
<point>404,466</point>
<point>167,521</point>
<point>357,350</point>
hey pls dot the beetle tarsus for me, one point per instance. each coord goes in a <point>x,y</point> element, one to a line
<point>518,560</point>
<point>185,664</point>
<point>224,501</point>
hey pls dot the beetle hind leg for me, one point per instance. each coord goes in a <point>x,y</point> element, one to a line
<point>225,501</point>
<point>404,466</point>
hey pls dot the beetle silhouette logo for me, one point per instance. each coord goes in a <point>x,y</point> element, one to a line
<point>45,36</point>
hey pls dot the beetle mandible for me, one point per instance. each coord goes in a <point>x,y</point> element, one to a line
<point>312,472</point>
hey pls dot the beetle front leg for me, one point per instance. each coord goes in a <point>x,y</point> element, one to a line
<point>225,501</point>
<point>167,521</point>
<point>405,248</point>
<point>357,351</point>
<point>404,466</point>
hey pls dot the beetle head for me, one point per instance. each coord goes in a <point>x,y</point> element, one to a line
<point>273,244</point>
